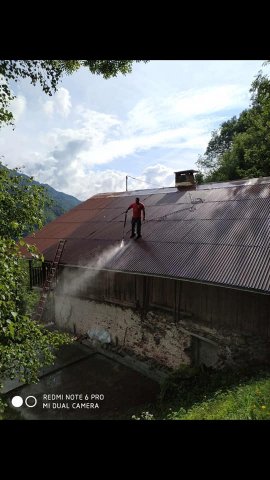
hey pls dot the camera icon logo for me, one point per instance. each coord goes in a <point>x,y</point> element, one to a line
<point>30,401</point>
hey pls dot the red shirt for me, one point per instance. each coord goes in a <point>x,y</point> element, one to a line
<point>137,208</point>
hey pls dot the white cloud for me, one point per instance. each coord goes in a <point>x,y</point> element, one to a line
<point>143,126</point>
<point>143,117</point>
<point>93,145</point>
<point>204,101</point>
<point>159,175</point>
<point>81,183</point>
<point>60,103</point>
<point>76,180</point>
<point>154,113</point>
<point>48,108</point>
<point>111,150</point>
<point>155,176</point>
<point>63,102</point>
<point>18,106</point>
<point>115,181</point>
<point>176,123</point>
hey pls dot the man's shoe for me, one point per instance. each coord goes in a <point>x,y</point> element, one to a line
<point>138,236</point>
<point>133,235</point>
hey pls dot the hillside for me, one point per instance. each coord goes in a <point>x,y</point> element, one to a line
<point>61,201</point>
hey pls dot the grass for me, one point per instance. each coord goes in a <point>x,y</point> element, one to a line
<point>246,402</point>
<point>194,394</point>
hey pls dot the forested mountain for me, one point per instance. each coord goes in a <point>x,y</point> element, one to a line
<point>60,202</point>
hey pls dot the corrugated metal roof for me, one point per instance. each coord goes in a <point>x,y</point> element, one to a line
<point>79,215</point>
<point>218,235</point>
<point>235,183</point>
<point>93,203</point>
<point>153,199</point>
<point>231,209</point>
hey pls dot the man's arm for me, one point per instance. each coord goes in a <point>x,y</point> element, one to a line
<point>130,206</point>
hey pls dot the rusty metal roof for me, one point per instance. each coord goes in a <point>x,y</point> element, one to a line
<point>219,235</point>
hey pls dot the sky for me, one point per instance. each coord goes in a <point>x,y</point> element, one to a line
<point>148,124</point>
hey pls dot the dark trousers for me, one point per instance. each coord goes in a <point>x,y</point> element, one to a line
<point>136,221</point>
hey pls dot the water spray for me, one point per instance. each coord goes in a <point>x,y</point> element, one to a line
<point>72,281</point>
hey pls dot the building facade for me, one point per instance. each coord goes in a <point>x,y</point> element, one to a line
<point>193,290</point>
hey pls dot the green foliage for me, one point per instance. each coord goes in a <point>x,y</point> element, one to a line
<point>55,203</point>
<point>200,393</point>
<point>143,416</point>
<point>108,68</point>
<point>30,297</point>
<point>25,346</point>
<point>21,204</point>
<point>48,73</point>
<point>245,402</point>
<point>60,203</point>
<point>199,177</point>
<point>241,146</point>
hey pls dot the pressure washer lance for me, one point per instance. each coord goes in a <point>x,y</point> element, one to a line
<point>124,225</point>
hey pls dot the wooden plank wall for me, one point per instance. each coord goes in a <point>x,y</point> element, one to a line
<point>209,305</point>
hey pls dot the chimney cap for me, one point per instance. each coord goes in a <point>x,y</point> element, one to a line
<point>187,171</point>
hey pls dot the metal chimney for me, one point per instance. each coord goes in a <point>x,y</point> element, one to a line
<point>184,180</point>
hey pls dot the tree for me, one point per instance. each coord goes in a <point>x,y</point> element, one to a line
<point>221,143</point>
<point>22,204</point>
<point>48,73</point>
<point>199,177</point>
<point>25,346</point>
<point>241,147</point>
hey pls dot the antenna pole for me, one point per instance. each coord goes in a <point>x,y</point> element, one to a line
<point>126,183</point>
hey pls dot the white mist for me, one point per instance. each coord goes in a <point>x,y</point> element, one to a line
<point>71,282</point>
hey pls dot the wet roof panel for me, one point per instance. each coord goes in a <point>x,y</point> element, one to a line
<point>219,235</point>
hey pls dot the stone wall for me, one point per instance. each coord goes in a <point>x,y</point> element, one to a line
<point>154,336</point>
<point>167,321</point>
<point>157,336</point>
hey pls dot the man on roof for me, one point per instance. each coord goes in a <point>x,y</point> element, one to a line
<point>137,208</point>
